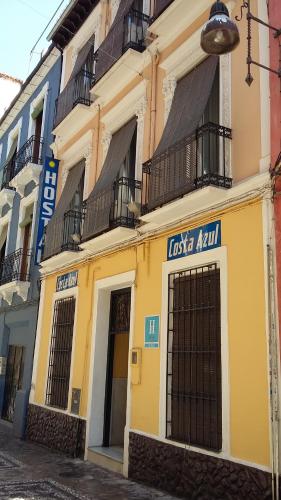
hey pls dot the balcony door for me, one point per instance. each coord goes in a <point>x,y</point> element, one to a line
<point>37,138</point>
<point>13,380</point>
<point>117,369</point>
<point>26,247</point>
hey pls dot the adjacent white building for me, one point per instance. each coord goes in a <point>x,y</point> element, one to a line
<point>9,87</point>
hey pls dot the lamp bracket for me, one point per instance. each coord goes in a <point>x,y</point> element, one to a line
<point>277,33</point>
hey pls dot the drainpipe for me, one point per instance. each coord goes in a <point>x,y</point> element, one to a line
<point>153,92</point>
<point>97,145</point>
<point>273,375</point>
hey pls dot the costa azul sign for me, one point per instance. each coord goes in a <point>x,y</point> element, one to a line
<point>194,241</point>
<point>47,202</point>
<point>66,281</point>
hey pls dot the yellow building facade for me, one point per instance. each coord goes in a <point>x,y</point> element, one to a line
<point>167,372</point>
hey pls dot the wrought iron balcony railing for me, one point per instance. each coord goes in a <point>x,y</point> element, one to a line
<point>15,266</point>
<point>8,174</point>
<point>196,161</point>
<point>135,28</point>
<point>127,31</point>
<point>111,208</point>
<point>72,229</point>
<point>77,91</point>
<point>30,152</point>
<point>66,233</point>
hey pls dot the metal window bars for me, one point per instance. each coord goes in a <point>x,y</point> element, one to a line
<point>60,353</point>
<point>15,266</point>
<point>194,162</point>
<point>194,394</point>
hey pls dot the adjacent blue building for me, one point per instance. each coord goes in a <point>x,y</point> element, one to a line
<point>25,139</point>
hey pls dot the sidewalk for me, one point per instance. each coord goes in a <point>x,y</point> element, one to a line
<point>29,471</point>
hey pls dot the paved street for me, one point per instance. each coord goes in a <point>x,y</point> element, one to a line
<point>29,471</point>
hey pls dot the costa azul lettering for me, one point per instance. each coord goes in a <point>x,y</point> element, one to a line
<point>66,281</point>
<point>196,240</point>
<point>47,202</point>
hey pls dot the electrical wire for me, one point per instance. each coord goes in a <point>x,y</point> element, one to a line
<point>32,8</point>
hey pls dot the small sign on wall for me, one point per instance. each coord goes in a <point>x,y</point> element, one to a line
<point>151,331</point>
<point>66,281</point>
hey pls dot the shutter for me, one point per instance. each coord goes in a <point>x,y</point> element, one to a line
<point>111,48</point>
<point>189,103</point>
<point>160,6</point>
<point>83,56</point>
<point>54,231</point>
<point>101,198</point>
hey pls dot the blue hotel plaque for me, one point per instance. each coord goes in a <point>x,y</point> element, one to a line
<point>151,331</point>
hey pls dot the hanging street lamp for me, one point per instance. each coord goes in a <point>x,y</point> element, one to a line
<point>220,35</point>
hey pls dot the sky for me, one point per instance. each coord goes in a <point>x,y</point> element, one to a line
<point>22,22</point>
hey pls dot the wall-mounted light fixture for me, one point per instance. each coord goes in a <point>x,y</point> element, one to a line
<point>220,35</point>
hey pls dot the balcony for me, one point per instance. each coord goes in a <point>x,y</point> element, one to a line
<point>134,31</point>
<point>193,163</point>
<point>15,275</point>
<point>65,239</point>
<point>76,92</point>
<point>27,164</point>
<point>8,174</point>
<point>72,229</point>
<point>120,55</point>
<point>109,219</point>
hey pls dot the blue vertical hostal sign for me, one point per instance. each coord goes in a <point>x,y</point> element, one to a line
<point>196,240</point>
<point>48,200</point>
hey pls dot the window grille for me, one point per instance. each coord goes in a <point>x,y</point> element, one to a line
<point>60,353</point>
<point>194,404</point>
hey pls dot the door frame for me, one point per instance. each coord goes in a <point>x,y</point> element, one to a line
<point>98,360</point>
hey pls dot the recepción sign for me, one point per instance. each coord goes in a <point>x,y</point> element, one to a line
<point>196,240</point>
<point>47,203</point>
<point>66,281</point>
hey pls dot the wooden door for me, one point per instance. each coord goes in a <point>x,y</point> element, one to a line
<point>13,380</point>
<point>26,245</point>
<point>37,134</point>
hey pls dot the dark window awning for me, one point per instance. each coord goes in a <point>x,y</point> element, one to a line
<point>189,103</point>
<point>111,48</point>
<point>160,6</point>
<point>54,231</point>
<point>83,55</point>
<point>100,200</point>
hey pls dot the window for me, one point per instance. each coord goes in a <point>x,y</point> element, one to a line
<point>60,353</point>
<point>194,406</point>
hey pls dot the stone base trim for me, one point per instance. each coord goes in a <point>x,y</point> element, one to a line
<point>56,430</point>
<point>194,475</point>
